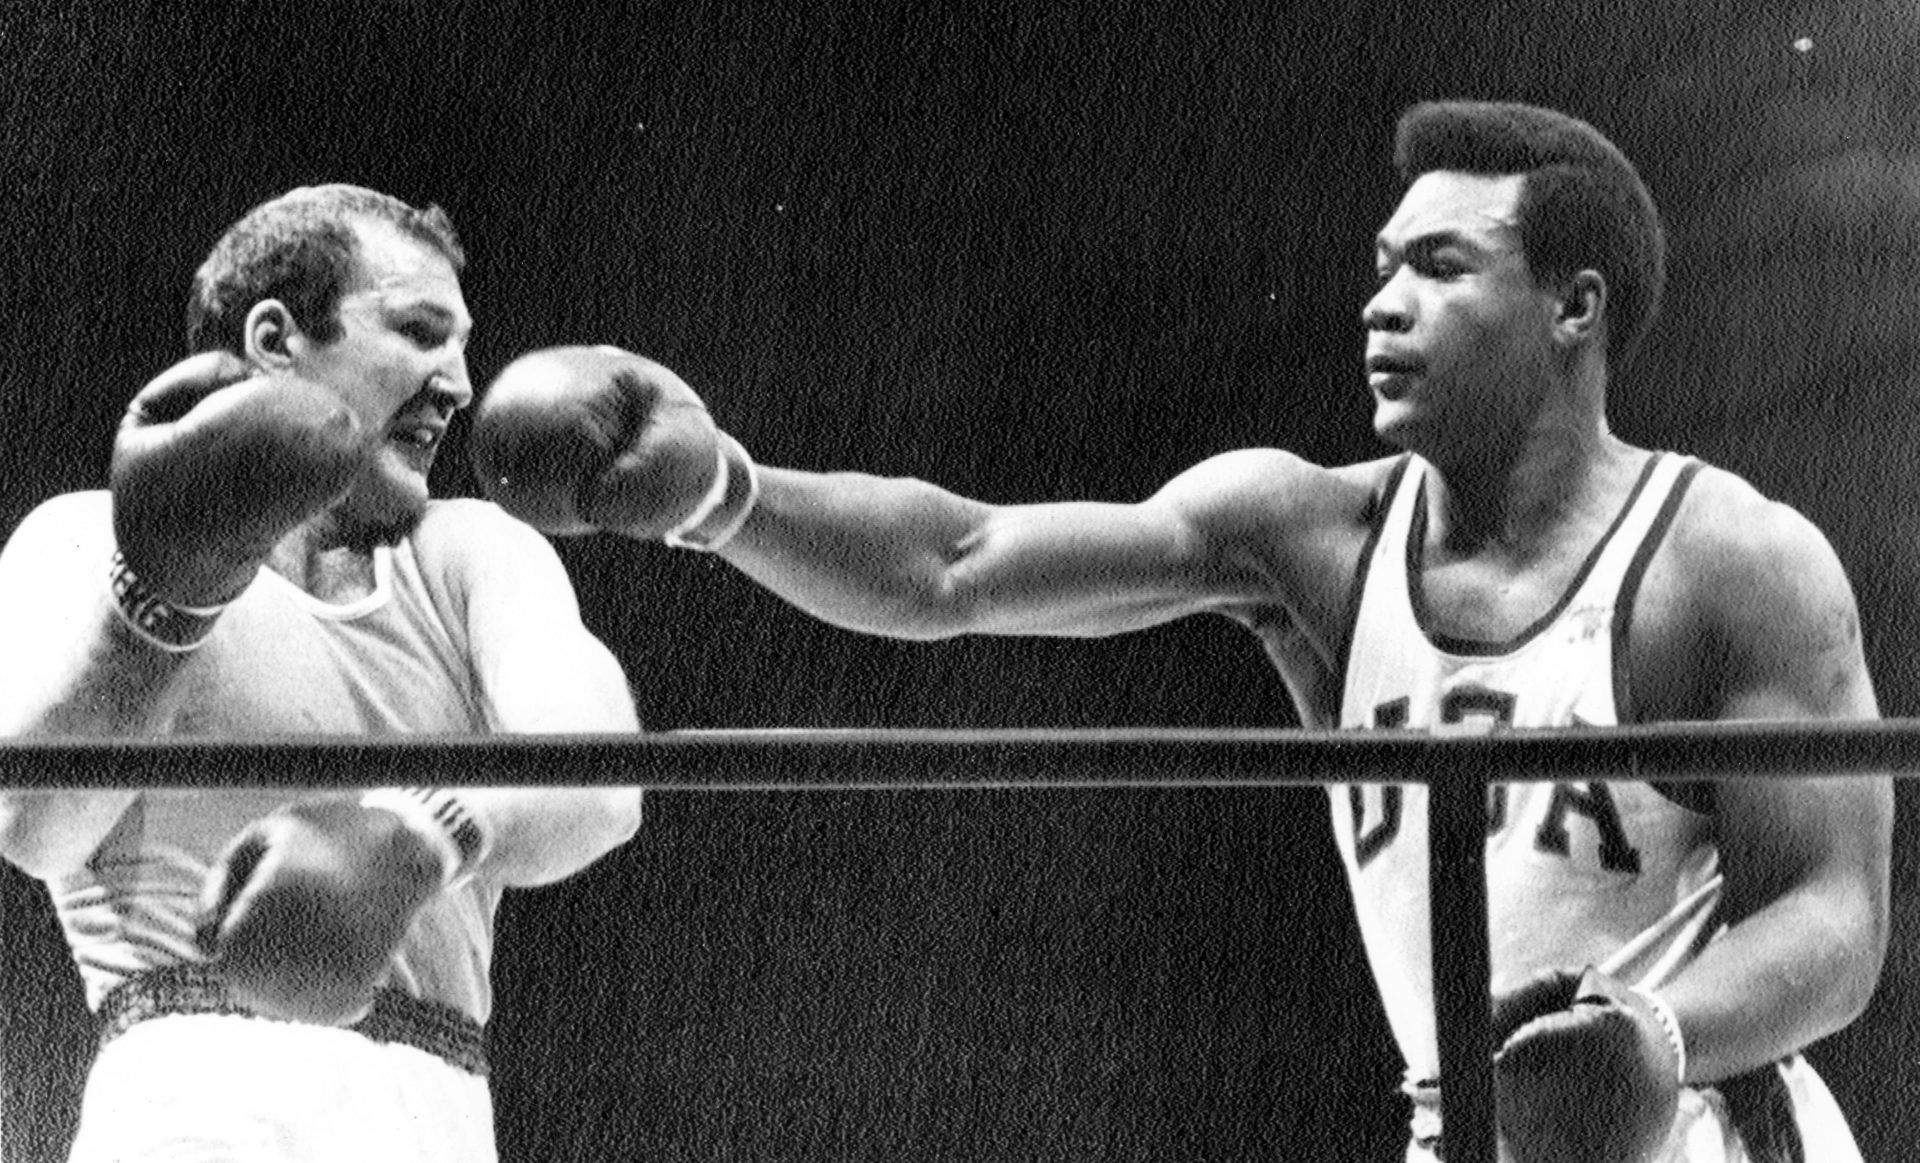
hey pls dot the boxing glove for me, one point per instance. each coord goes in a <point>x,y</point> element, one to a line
<point>303,910</point>
<point>214,464</point>
<point>1587,1071</point>
<point>577,439</point>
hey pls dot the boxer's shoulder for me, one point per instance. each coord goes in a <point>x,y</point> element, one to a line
<point>64,532</point>
<point>465,541</point>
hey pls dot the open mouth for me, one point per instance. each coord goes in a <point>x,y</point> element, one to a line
<point>421,435</point>
<point>421,423</point>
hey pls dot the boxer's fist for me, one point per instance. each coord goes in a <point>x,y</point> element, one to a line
<point>577,439</point>
<point>1585,1072</point>
<point>214,464</point>
<point>304,909</point>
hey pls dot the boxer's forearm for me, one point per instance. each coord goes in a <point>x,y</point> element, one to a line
<point>544,834</point>
<point>1778,982</point>
<point>907,559</point>
<point>865,553</point>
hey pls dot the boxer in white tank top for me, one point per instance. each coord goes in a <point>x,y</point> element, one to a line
<point>1563,575</point>
<point>286,975</point>
<point>1623,875</point>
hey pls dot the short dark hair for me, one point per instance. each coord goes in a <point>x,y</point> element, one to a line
<point>1583,204</point>
<point>299,248</point>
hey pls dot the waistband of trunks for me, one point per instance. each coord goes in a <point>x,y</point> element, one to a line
<point>397,1017</point>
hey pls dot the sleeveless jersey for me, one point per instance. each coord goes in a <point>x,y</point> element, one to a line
<point>282,662</point>
<point>1613,874</point>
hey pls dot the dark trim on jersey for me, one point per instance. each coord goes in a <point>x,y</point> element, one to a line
<point>1351,620</point>
<point>1473,647</point>
<point>1695,797</point>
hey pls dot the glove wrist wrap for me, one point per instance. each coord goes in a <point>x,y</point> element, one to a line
<point>1670,1024</point>
<point>727,505</point>
<point>155,620</point>
<point>439,817</point>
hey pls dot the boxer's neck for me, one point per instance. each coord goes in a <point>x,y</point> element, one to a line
<point>327,570</point>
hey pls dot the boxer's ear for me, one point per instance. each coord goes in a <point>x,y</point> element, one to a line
<point>265,335</point>
<point>1580,310</point>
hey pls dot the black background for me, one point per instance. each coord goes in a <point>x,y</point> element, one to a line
<point>1041,251</point>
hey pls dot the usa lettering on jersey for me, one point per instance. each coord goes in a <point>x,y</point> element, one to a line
<point>1376,811</point>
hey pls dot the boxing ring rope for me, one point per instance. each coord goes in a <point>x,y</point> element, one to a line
<point>1457,769</point>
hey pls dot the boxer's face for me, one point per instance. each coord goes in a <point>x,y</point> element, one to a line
<point>1459,335</point>
<point>400,362</point>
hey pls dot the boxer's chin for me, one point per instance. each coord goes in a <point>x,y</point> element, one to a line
<point>389,532</point>
<point>382,509</point>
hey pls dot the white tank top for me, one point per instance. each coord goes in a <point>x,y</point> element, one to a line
<point>281,662</point>
<point>1611,874</point>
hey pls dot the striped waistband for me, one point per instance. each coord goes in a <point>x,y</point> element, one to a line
<point>397,1017</point>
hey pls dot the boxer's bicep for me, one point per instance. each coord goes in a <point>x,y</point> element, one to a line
<point>539,668</point>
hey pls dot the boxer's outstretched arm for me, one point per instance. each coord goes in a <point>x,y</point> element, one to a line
<point>575,440</point>
<point>907,559</point>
